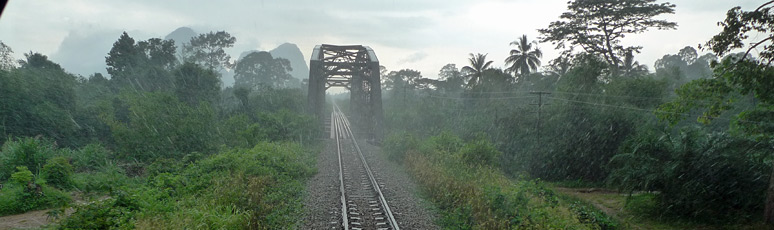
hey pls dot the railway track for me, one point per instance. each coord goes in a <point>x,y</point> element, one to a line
<point>363,205</point>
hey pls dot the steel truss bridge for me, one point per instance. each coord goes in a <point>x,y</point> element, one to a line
<point>356,68</point>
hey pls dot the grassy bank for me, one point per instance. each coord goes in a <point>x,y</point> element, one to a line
<point>464,181</point>
<point>642,211</point>
<point>257,188</point>
<point>236,188</point>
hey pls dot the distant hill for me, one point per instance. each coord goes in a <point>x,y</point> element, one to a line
<point>291,52</point>
<point>181,35</point>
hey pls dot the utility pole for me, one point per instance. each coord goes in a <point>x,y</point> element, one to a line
<point>540,106</point>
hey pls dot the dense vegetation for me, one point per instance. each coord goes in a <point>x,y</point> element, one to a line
<point>695,132</point>
<point>159,144</point>
<point>463,179</point>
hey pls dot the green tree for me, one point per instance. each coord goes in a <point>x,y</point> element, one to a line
<point>632,68</point>
<point>243,94</point>
<point>123,57</point>
<point>452,78</point>
<point>402,80</point>
<point>159,52</point>
<point>686,63</point>
<point>195,84</point>
<point>143,65</point>
<point>6,57</point>
<point>735,77</point>
<point>261,69</point>
<point>525,58</point>
<point>160,125</point>
<point>38,98</point>
<point>598,26</point>
<point>474,71</point>
<point>208,49</point>
<point>58,172</point>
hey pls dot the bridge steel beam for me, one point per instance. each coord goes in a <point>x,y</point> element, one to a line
<point>356,68</point>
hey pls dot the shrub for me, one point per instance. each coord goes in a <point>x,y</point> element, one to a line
<point>589,215</point>
<point>711,176</point>
<point>90,157</point>
<point>113,213</point>
<point>480,151</point>
<point>24,195</point>
<point>397,144</point>
<point>473,197</point>
<point>58,172</point>
<point>108,178</point>
<point>29,152</point>
<point>22,176</point>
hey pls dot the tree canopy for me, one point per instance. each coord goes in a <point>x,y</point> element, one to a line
<point>208,49</point>
<point>525,58</point>
<point>261,69</point>
<point>475,71</point>
<point>598,26</point>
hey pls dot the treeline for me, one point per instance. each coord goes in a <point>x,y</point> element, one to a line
<point>696,130</point>
<point>160,129</point>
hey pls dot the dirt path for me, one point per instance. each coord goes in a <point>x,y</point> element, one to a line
<point>29,220</point>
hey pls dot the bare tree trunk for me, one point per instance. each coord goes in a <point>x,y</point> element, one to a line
<point>768,213</point>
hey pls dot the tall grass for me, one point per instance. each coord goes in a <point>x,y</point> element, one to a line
<point>257,188</point>
<point>473,193</point>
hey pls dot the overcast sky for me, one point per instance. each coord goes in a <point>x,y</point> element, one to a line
<point>416,34</point>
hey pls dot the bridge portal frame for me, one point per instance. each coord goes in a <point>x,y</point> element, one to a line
<point>356,68</point>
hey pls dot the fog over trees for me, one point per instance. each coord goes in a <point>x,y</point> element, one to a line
<point>565,127</point>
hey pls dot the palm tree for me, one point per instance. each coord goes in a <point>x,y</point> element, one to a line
<point>631,67</point>
<point>524,59</point>
<point>475,70</point>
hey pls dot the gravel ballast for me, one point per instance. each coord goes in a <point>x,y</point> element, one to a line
<point>322,202</point>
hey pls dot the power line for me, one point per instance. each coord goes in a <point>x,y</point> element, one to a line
<point>481,98</point>
<point>603,95</point>
<point>652,110</point>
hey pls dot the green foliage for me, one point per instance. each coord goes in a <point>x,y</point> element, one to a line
<point>238,131</point>
<point>208,50</point>
<point>38,100</point>
<point>90,157</point>
<point>738,26</point>
<point>161,125</point>
<point>194,84</point>
<point>116,212</point>
<point>480,151</point>
<point>524,59</point>
<point>105,179</point>
<point>28,152</point>
<point>589,215</point>
<point>599,32</point>
<point>474,197</point>
<point>712,176</point>
<point>58,173</point>
<point>475,71</point>
<point>285,125</point>
<point>142,66</point>
<point>24,195</point>
<point>258,188</point>
<point>396,145</point>
<point>22,176</point>
<point>261,70</point>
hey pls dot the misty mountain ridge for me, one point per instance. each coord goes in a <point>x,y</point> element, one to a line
<point>291,52</point>
<point>181,35</point>
<point>84,53</point>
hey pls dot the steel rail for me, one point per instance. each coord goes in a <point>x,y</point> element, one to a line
<point>336,126</point>
<point>347,129</point>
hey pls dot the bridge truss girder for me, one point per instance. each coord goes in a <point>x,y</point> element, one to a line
<point>356,68</point>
